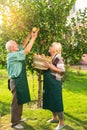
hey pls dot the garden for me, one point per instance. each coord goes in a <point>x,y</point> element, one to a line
<point>17,18</point>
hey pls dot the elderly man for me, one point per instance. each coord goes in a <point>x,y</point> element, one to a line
<point>17,74</point>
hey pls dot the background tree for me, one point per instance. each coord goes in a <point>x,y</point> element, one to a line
<point>75,38</point>
<point>17,17</point>
<point>50,16</point>
<point>20,16</point>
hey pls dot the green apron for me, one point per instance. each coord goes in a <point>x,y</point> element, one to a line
<point>52,93</point>
<point>21,84</point>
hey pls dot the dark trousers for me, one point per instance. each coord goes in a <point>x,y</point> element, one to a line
<point>16,109</point>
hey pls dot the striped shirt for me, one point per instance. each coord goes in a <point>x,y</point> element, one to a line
<point>58,62</point>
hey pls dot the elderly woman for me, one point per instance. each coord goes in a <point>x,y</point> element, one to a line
<point>52,85</point>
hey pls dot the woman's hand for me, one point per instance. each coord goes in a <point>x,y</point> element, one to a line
<point>52,67</point>
<point>47,65</point>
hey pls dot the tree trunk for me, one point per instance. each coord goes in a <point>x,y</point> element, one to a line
<point>39,103</point>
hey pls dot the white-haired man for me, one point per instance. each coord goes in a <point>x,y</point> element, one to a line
<point>17,74</point>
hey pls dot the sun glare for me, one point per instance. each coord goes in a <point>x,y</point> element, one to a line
<point>0,19</point>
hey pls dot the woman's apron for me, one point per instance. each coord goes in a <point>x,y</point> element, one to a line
<point>52,93</point>
<point>21,84</point>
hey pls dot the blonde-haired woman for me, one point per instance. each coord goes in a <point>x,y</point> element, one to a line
<point>52,85</point>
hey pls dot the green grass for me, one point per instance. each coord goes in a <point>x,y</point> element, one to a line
<point>74,98</point>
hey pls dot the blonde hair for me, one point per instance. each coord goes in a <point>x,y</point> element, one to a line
<point>58,47</point>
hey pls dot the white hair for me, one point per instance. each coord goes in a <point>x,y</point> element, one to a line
<point>58,47</point>
<point>8,44</point>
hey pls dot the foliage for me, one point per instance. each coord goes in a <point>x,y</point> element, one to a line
<point>20,16</point>
<point>52,23</point>
<point>50,16</point>
<point>16,23</point>
<point>76,37</point>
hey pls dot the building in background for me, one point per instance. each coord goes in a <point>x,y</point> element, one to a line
<point>80,4</point>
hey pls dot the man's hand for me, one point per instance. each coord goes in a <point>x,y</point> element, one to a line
<point>30,44</point>
<point>26,40</point>
<point>34,34</point>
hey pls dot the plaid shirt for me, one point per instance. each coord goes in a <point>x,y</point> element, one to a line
<point>59,63</point>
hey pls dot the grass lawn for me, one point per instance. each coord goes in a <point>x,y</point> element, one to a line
<point>74,97</point>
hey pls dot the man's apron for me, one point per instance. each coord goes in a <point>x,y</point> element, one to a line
<point>52,93</point>
<point>21,85</point>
